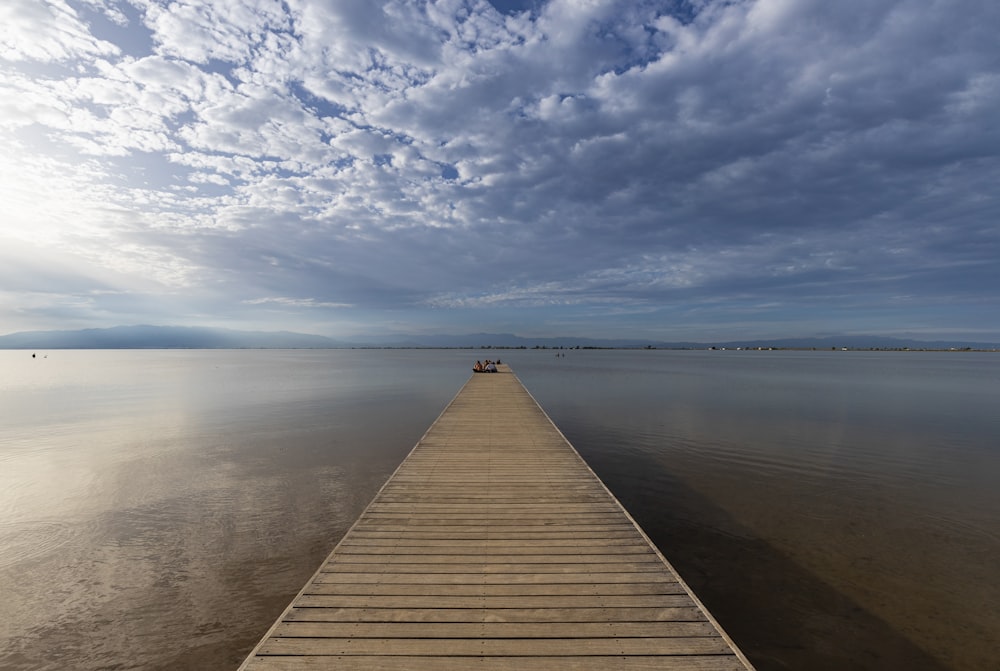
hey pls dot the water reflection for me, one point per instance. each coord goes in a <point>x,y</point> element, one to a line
<point>159,509</point>
<point>861,482</point>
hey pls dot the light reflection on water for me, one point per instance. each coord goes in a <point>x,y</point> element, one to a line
<point>835,510</point>
<point>159,509</point>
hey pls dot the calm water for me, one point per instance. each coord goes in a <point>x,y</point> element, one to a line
<point>835,510</point>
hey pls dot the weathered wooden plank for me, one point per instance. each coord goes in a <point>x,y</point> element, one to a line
<point>548,547</point>
<point>474,630</point>
<point>500,522</point>
<point>450,480</point>
<point>686,612</point>
<point>363,576</point>
<point>498,519</point>
<point>475,507</point>
<point>374,559</point>
<point>481,663</point>
<point>493,549</point>
<point>499,488</point>
<point>453,483</point>
<point>498,602</point>
<point>357,540</point>
<point>552,647</point>
<point>499,568</point>
<point>472,589</point>
<point>451,533</point>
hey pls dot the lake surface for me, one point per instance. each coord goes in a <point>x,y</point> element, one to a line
<point>834,510</point>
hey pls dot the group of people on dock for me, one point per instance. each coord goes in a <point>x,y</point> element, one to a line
<point>485,366</point>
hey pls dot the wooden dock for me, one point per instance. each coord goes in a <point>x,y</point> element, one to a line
<point>494,546</point>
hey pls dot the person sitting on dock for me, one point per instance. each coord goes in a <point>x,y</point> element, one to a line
<point>478,368</point>
<point>491,367</point>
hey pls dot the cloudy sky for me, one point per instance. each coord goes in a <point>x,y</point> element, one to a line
<point>671,169</point>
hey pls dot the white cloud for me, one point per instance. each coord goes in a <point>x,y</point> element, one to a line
<point>198,32</point>
<point>26,102</point>
<point>439,153</point>
<point>287,302</point>
<point>47,30</point>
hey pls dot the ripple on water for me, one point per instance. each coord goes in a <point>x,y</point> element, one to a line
<point>23,541</point>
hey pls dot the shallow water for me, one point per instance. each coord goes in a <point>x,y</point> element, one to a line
<point>834,510</point>
<point>159,508</point>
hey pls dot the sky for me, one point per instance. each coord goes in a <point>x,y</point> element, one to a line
<point>670,170</point>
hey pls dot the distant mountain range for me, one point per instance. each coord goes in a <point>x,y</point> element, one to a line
<point>162,337</point>
<point>510,340</point>
<point>183,337</point>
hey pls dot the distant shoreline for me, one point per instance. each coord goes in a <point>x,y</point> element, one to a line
<point>186,337</point>
<point>57,348</point>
